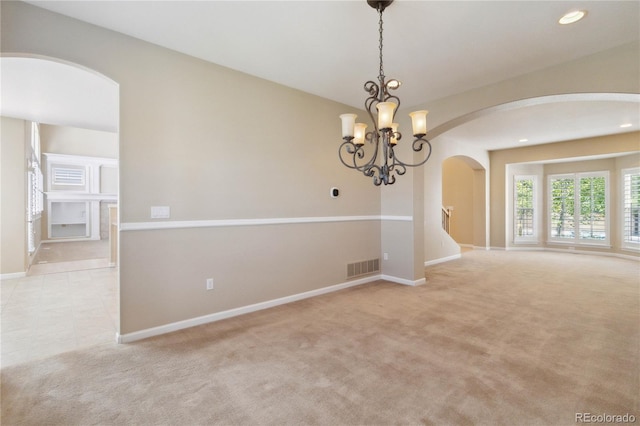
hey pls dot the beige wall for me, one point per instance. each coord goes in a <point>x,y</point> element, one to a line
<point>76,141</point>
<point>213,144</point>
<point>457,192</point>
<point>13,231</point>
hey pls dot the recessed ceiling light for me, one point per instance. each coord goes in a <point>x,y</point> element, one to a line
<point>523,140</point>
<point>573,16</point>
<point>626,125</point>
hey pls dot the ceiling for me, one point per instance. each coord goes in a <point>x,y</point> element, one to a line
<point>57,93</point>
<point>436,48</point>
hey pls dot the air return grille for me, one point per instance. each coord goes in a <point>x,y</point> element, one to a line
<point>363,268</point>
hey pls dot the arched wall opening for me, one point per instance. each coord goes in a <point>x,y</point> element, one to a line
<point>466,136</point>
<point>77,114</point>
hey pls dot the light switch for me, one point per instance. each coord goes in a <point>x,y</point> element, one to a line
<point>160,212</point>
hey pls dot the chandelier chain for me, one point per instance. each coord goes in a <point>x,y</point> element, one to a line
<point>380,30</point>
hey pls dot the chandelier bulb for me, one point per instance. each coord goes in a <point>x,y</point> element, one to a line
<point>394,134</point>
<point>419,122</point>
<point>393,84</point>
<point>386,111</point>
<point>359,133</point>
<point>348,122</point>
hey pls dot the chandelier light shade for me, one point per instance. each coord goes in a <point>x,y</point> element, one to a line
<point>382,164</point>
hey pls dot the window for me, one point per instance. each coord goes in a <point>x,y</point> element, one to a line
<point>35,187</point>
<point>593,208</point>
<point>562,207</point>
<point>524,210</point>
<point>67,176</point>
<point>578,208</point>
<point>631,208</point>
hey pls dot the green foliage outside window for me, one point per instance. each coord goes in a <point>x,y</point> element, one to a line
<point>562,207</point>
<point>592,208</point>
<point>590,213</point>
<point>524,208</point>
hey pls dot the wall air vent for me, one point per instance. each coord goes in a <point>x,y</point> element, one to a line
<point>364,267</point>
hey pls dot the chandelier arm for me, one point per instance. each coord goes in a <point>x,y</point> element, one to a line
<point>397,166</point>
<point>372,88</point>
<point>354,152</point>
<point>371,137</point>
<point>371,102</point>
<point>418,144</point>
<point>373,170</point>
<point>392,98</point>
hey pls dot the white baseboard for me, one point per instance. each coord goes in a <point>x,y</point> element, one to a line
<point>168,328</point>
<point>403,280</point>
<point>442,259</point>
<point>13,275</point>
<point>514,248</point>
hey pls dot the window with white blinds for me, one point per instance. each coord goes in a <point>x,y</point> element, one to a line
<point>35,187</point>
<point>578,208</point>
<point>68,176</point>
<point>631,208</point>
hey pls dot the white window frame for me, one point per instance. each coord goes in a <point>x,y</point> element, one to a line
<point>528,239</point>
<point>35,187</point>
<point>62,175</point>
<point>576,240</point>
<point>627,243</point>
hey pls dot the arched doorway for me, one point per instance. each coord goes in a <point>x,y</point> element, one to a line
<point>77,109</point>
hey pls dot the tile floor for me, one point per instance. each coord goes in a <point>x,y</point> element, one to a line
<point>43,315</point>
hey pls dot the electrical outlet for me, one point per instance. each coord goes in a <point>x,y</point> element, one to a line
<point>209,283</point>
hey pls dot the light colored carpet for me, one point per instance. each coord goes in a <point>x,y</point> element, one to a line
<point>524,338</point>
<point>72,250</point>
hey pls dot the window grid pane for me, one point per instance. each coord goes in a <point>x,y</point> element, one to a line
<point>524,208</point>
<point>593,208</point>
<point>562,208</point>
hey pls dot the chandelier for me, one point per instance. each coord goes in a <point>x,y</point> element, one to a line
<point>383,164</point>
